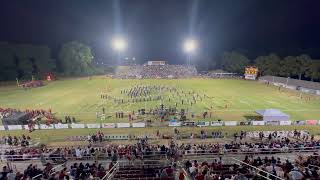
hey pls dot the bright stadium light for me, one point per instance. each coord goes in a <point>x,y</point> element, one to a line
<point>190,45</point>
<point>119,44</point>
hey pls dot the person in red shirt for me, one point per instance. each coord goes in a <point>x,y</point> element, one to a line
<point>181,175</point>
<point>63,174</point>
<point>169,171</point>
<point>199,176</point>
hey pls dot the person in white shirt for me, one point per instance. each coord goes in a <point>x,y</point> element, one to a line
<point>192,169</point>
<point>78,153</point>
<point>11,175</point>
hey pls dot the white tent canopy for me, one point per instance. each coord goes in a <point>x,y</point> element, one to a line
<point>273,115</point>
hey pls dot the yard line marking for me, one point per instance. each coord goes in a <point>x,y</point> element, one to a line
<point>247,103</point>
<point>243,102</point>
<point>257,103</point>
<point>271,102</point>
<point>281,105</point>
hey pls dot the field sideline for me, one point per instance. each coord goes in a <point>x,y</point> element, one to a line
<point>57,137</point>
<point>229,99</point>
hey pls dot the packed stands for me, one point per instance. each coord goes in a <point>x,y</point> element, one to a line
<point>220,75</point>
<point>15,140</point>
<point>265,156</point>
<point>156,71</point>
<point>149,170</point>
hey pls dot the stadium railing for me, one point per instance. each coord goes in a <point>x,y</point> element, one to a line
<point>52,171</point>
<point>155,164</point>
<point>111,172</point>
<point>163,155</point>
<point>259,170</point>
<point>37,176</point>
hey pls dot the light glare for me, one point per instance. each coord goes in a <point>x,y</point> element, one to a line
<point>190,45</point>
<point>119,44</point>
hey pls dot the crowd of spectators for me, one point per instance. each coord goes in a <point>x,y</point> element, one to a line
<point>256,168</point>
<point>142,149</point>
<point>306,166</point>
<point>220,75</point>
<point>251,168</point>
<point>75,171</point>
<point>157,71</point>
<point>20,154</point>
<point>15,140</point>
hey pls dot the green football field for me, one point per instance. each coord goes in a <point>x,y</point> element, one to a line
<point>226,99</point>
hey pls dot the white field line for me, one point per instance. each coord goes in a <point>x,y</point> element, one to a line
<point>273,102</point>
<point>247,103</point>
<point>270,102</point>
<point>258,103</point>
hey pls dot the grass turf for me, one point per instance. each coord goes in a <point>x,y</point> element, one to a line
<point>81,98</point>
<point>58,136</point>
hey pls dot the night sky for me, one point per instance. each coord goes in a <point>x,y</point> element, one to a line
<point>156,29</point>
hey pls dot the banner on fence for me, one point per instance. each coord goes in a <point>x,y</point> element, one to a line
<point>189,123</point>
<point>272,123</point>
<point>26,127</point>
<point>299,122</point>
<point>230,123</point>
<point>123,125</point>
<point>285,123</point>
<point>203,123</point>
<point>258,123</point>
<point>77,126</point>
<point>116,137</point>
<point>244,123</point>
<point>14,127</point>
<point>311,122</point>
<point>2,128</point>
<point>44,126</point>
<point>93,126</point>
<point>174,124</point>
<point>138,125</point>
<point>216,123</point>
<point>61,126</point>
<point>108,125</point>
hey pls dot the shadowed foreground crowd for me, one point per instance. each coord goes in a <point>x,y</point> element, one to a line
<point>302,167</point>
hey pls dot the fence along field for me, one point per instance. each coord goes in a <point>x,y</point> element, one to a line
<point>227,99</point>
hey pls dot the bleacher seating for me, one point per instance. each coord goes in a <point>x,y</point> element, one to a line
<point>146,171</point>
<point>156,71</point>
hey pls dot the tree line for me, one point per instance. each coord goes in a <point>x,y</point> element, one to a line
<point>23,61</point>
<point>299,67</point>
<point>74,58</point>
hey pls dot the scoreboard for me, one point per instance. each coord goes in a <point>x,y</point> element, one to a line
<point>251,72</point>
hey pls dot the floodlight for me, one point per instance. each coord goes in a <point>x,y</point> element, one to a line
<point>190,45</point>
<point>119,44</point>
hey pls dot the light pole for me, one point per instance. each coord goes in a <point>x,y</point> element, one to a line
<point>189,47</point>
<point>119,44</point>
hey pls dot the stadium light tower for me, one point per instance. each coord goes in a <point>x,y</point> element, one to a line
<point>119,44</point>
<point>189,47</point>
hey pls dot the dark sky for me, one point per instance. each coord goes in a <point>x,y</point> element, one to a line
<point>157,28</point>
